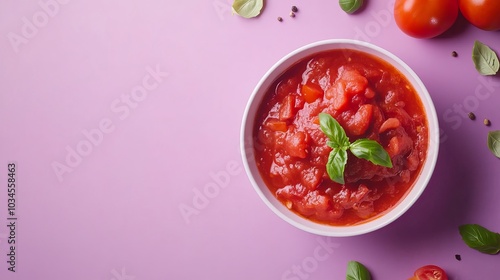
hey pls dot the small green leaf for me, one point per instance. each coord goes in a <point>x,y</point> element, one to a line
<point>494,142</point>
<point>339,142</point>
<point>480,238</point>
<point>371,150</point>
<point>336,165</point>
<point>485,59</point>
<point>357,271</point>
<point>248,8</point>
<point>334,131</point>
<point>350,6</point>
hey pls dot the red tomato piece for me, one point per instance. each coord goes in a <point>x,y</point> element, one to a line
<point>311,178</point>
<point>287,108</point>
<point>348,84</point>
<point>425,18</point>
<point>313,203</point>
<point>390,123</point>
<point>311,92</point>
<point>299,102</point>
<point>430,272</point>
<point>355,82</point>
<point>276,125</point>
<point>369,93</point>
<point>291,193</point>
<point>400,144</point>
<point>412,161</point>
<point>265,137</point>
<point>337,95</point>
<point>484,14</point>
<point>360,122</point>
<point>296,144</point>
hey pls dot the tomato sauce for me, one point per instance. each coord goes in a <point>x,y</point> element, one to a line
<point>370,99</point>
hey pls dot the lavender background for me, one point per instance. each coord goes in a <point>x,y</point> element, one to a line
<point>151,94</point>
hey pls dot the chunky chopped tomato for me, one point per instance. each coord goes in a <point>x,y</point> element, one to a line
<point>311,177</point>
<point>354,82</point>
<point>359,123</point>
<point>399,144</point>
<point>276,125</point>
<point>390,123</point>
<point>370,99</point>
<point>311,92</point>
<point>296,144</point>
<point>287,108</point>
<point>336,93</point>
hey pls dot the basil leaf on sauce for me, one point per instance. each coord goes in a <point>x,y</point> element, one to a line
<point>485,59</point>
<point>336,165</point>
<point>480,238</point>
<point>334,131</point>
<point>350,6</point>
<point>339,142</point>
<point>247,8</point>
<point>371,150</point>
<point>494,142</point>
<point>357,271</point>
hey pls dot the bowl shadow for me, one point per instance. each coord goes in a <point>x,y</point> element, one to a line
<point>440,209</point>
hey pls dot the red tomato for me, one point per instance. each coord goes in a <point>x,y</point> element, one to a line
<point>287,108</point>
<point>311,92</point>
<point>429,272</point>
<point>484,14</point>
<point>425,18</point>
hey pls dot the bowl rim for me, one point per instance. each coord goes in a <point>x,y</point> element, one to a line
<point>381,220</point>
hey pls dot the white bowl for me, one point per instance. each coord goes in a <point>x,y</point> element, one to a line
<point>263,191</point>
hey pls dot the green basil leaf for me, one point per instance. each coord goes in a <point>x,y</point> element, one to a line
<point>248,8</point>
<point>480,238</point>
<point>371,150</point>
<point>357,271</point>
<point>336,165</point>
<point>485,59</point>
<point>350,6</point>
<point>494,142</point>
<point>332,129</point>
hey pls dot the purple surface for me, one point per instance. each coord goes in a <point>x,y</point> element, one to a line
<point>115,213</point>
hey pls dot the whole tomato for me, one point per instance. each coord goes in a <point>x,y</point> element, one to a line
<point>429,272</point>
<point>425,18</point>
<point>484,14</point>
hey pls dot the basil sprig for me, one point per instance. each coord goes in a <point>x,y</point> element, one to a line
<point>357,271</point>
<point>480,238</point>
<point>339,142</point>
